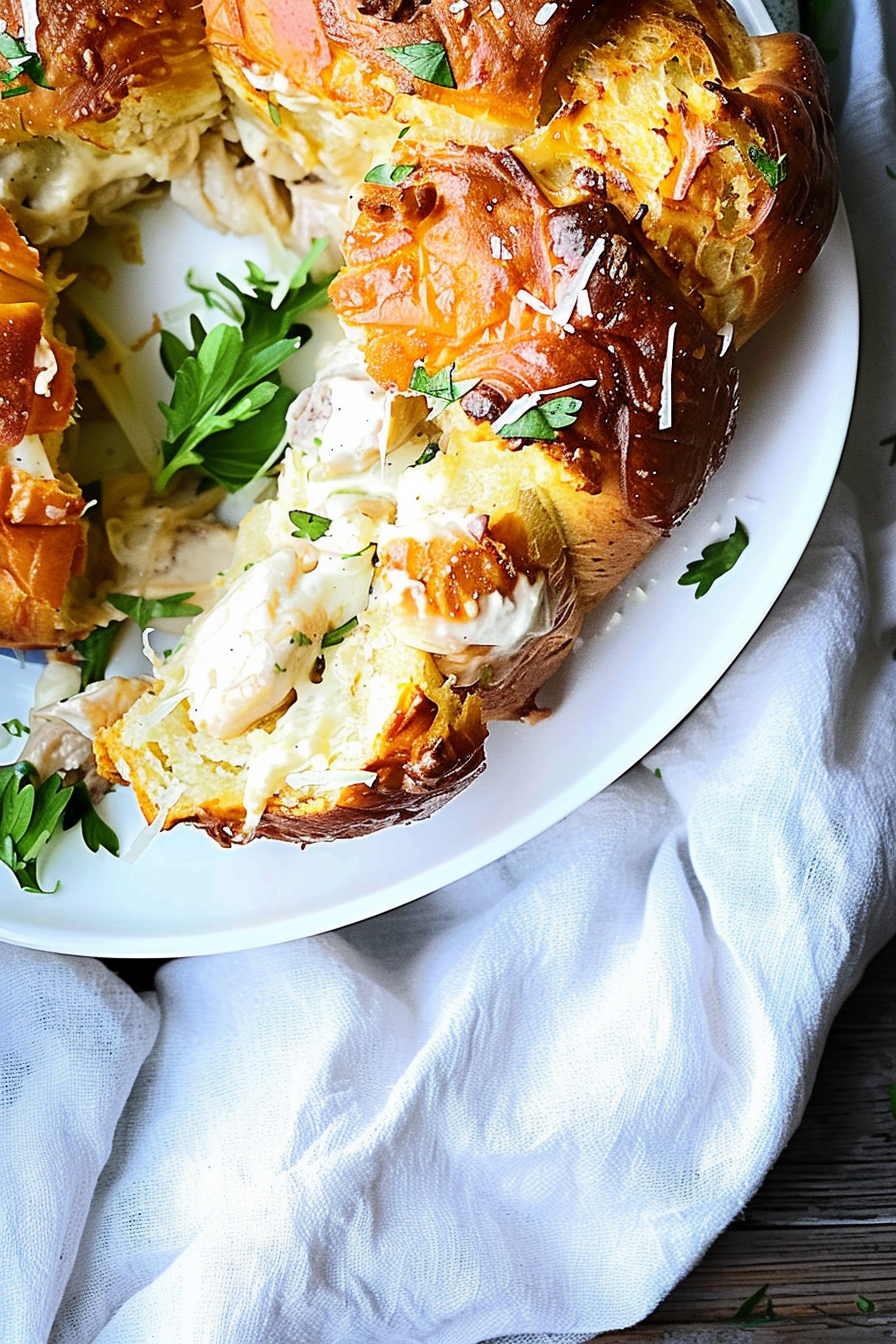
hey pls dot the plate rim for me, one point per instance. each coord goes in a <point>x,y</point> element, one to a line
<point>534,822</point>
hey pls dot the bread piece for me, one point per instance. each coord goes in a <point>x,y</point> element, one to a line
<point>721,144</point>
<point>291,709</point>
<point>339,95</point>
<point>42,535</point>
<point>131,90</point>
<point>466,266</point>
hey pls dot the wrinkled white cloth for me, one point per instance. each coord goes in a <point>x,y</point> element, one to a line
<point>526,1104</point>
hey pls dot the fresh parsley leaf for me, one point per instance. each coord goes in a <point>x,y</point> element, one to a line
<point>309,526</point>
<point>334,637</point>
<point>773,170</point>
<point>543,421</point>
<point>865,1305</point>
<point>29,814</point>
<point>425,60</point>
<point>441,385</point>
<point>144,610</point>
<point>94,831</point>
<point>388,176</point>
<point>429,452</point>
<point>747,1315</point>
<point>94,652</point>
<point>274,112</point>
<point>15,93</point>
<point>16,728</point>
<point>301,639</point>
<point>230,378</point>
<point>213,298</point>
<point>21,62</point>
<point>716,560</point>
<point>403,132</point>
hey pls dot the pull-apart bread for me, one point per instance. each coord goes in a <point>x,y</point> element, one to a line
<point>562,221</point>
<point>115,95</point>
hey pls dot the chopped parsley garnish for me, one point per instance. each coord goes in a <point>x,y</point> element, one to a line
<point>717,559</point>
<point>15,728</point>
<point>227,413</point>
<point>542,422</point>
<point>429,452</point>
<point>773,170</point>
<point>403,132</point>
<point>301,639</point>
<point>425,60</point>
<point>388,176</point>
<point>309,526</point>
<point>274,112</point>
<point>21,62</point>
<point>334,637</point>
<point>16,92</point>
<point>865,1305</point>
<point>94,651</point>
<point>747,1314</point>
<point>144,610</point>
<point>94,831</point>
<point>441,385</point>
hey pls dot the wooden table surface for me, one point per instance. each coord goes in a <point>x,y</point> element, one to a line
<point>821,1232</point>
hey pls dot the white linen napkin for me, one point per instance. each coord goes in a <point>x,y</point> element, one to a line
<point>528,1102</point>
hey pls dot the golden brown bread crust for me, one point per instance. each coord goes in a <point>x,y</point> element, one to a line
<point>337,50</point>
<point>42,544</point>
<point>422,759</point>
<point>445,268</point>
<point>97,52</point>
<point>684,119</point>
<point>42,537</point>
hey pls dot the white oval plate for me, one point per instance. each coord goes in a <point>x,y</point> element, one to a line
<point>648,655</point>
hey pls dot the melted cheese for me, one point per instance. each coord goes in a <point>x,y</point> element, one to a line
<point>263,636</point>
<point>28,455</point>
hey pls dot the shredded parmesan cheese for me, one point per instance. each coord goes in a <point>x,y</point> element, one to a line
<point>666,392</point>
<point>497,8</point>
<point>727,335</point>
<point>144,838</point>
<point>545,14</point>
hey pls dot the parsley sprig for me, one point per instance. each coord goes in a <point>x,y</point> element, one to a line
<point>144,610</point>
<point>30,814</point>
<point>22,64</point>
<point>716,560</point>
<point>542,422</point>
<point>227,413</point>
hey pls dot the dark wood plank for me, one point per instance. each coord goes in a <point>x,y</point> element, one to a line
<point>821,1231</point>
